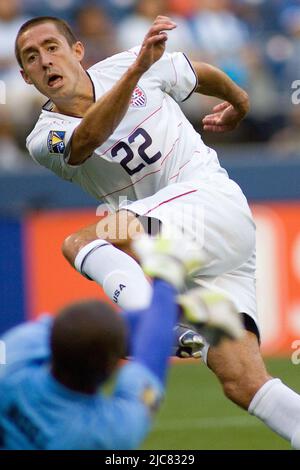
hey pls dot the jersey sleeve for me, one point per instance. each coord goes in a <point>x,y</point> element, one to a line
<point>176,73</point>
<point>26,344</point>
<point>137,395</point>
<point>49,145</point>
<point>179,78</point>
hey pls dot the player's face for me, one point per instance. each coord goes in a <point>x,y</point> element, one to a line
<point>49,63</point>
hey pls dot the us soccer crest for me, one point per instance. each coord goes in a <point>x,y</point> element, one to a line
<point>138,98</point>
<point>56,141</point>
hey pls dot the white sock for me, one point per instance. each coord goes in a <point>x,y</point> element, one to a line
<point>278,407</point>
<point>120,275</point>
<point>296,439</point>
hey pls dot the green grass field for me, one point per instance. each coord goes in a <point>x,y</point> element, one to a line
<point>196,415</point>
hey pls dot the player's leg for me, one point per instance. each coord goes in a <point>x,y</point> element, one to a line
<point>245,380</point>
<point>168,265</point>
<point>224,232</point>
<point>239,367</point>
<point>92,252</point>
<point>229,243</point>
<point>117,228</point>
<point>95,251</point>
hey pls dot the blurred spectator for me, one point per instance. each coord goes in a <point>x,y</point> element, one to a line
<point>257,42</point>
<point>260,15</point>
<point>185,8</point>
<point>290,20</point>
<point>117,9</point>
<point>221,38</point>
<point>63,8</point>
<point>283,52</point>
<point>11,19</point>
<point>286,142</point>
<point>249,12</point>
<point>265,101</point>
<point>11,156</point>
<point>96,31</point>
<point>132,29</point>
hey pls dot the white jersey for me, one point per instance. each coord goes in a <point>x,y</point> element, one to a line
<point>154,146</point>
<point>158,161</point>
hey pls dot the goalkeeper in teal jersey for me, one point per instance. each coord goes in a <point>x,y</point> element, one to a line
<point>49,387</point>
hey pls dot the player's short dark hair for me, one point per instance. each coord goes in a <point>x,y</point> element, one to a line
<point>87,341</point>
<point>62,26</point>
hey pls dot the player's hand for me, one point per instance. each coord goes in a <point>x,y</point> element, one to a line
<point>225,117</point>
<point>154,43</point>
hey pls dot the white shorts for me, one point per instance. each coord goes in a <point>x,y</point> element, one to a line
<point>215,213</point>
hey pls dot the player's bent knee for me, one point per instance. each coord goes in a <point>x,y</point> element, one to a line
<point>118,228</point>
<point>67,248</point>
<point>72,244</point>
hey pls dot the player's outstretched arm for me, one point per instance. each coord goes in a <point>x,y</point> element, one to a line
<point>105,115</point>
<point>226,116</point>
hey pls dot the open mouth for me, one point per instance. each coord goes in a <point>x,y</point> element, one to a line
<point>54,80</point>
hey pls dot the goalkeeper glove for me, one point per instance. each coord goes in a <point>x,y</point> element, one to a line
<point>212,313</point>
<point>188,343</point>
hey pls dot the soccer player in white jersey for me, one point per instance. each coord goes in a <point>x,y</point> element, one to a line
<point>117,131</point>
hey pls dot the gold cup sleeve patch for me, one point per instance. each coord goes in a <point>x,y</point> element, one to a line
<point>56,142</point>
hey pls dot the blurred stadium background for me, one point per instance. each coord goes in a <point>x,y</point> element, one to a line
<point>257,42</point>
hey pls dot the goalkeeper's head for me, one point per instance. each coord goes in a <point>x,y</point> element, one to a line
<point>87,341</point>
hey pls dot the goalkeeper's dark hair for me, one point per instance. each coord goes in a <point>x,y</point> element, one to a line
<point>87,341</point>
<point>62,26</point>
